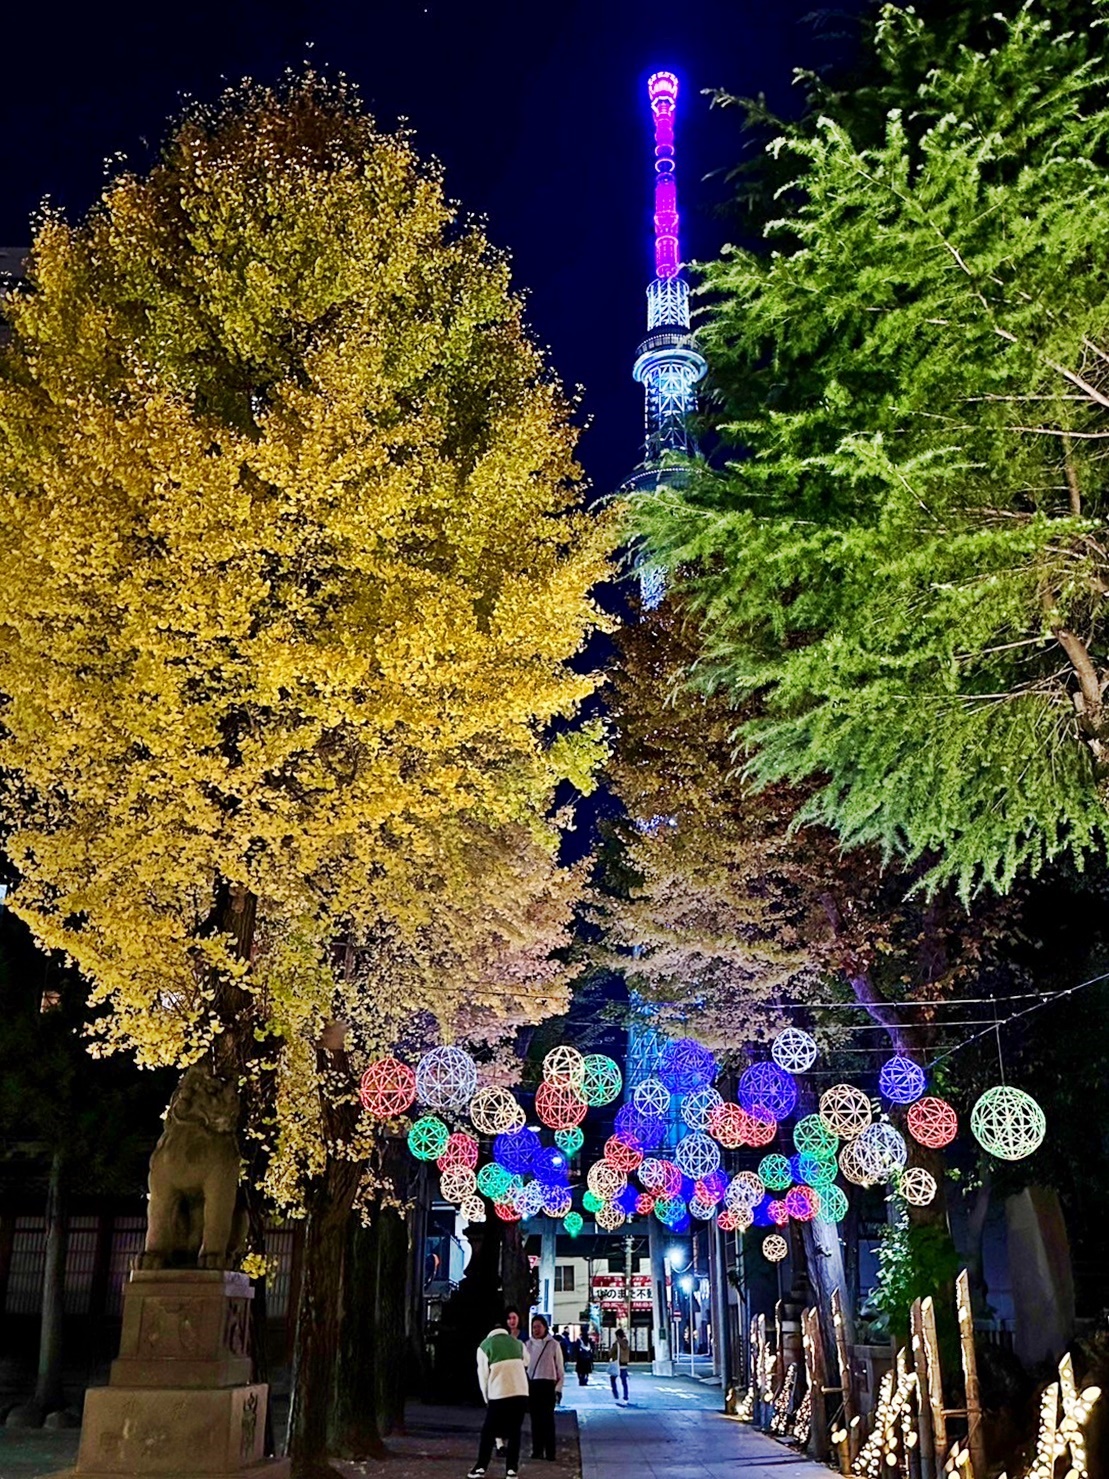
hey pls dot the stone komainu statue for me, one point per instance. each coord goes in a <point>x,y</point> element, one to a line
<point>195,1216</point>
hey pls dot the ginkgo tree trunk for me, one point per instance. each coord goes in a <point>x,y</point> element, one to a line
<point>295,569</point>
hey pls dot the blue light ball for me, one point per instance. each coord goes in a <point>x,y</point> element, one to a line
<point>901,1081</point>
<point>516,1152</point>
<point>686,1066</point>
<point>549,1166</point>
<point>766,1086</point>
<point>760,1214</point>
<point>648,1130</point>
<point>626,1200</point>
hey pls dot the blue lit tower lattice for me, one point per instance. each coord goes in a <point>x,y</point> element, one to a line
<point>668,364</point>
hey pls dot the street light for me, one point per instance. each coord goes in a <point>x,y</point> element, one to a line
<point>685,1284</point>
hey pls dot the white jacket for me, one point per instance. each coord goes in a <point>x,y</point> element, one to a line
<point>502,1366</point>
<point>545,1362</point>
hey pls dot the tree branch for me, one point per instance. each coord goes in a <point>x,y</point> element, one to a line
<point>858,978</point>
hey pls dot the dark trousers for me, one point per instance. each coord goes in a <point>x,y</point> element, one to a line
<point>542,1398</point>
<point>504,1417</point>
<point>583,1368</point>
<point>623,1378</point>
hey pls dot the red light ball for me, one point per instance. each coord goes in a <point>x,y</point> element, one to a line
<point>801,1204</point>
<point>388,1088</point>
<point>761,1127</point>
<point>461,1150</point>
<point>932,1122</point>
<point>623,1152</point>
<point>559,1106</point>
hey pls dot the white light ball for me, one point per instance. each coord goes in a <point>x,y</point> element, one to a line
<point>458,1183</point>
<point>564,1067</point>
<point>697,1107</point>
<point>609,1218</point>
<point>917,1186</point>
<point>604,1180</point>
<point>446,1078</point>
<point>845,1110</point>
<point>494,1111</point>
<point>652,1097</point>
<point>794,1050</point>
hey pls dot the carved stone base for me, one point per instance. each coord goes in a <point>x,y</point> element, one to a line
<point>180,1404</point>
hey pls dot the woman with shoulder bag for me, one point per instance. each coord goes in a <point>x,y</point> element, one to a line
<point>620,1355</point>
<point>546,1371</point>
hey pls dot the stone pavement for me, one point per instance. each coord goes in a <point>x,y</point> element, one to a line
<point>673,1428</point>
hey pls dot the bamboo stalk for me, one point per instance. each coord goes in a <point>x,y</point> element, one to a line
<point>843,1357</point>
<point>975,1443</point>
<point>934,1374</point>
<point>928,1464</point>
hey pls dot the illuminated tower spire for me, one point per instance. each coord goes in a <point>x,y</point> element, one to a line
<point>667,365</point>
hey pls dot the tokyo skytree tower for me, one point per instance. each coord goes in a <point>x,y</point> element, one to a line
<point>668,364</point>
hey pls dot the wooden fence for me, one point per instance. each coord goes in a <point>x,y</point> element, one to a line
<point>812,1400</point>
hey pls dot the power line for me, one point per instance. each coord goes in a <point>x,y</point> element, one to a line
<point>997,1023</point>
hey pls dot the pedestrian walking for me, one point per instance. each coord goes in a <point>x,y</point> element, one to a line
<point>619,1357</point>
<point>583,1356</point>
<point>546,1370</point>
<point>562,1335</point>
<point>502,1373</point>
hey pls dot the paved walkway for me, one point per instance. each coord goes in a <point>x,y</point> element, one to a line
<point>673,1428</point>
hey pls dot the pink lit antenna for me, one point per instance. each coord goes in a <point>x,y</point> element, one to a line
<point>662,89</point>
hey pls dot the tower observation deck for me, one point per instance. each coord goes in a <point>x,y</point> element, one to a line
<point>667,364</point>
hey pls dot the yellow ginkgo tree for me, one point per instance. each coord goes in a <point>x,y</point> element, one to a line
<point>294,570</point>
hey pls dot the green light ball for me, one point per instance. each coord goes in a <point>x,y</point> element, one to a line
<point>569,1141</point>
<point>815,1171</point>
<point>592,1202</point>
<point>1008,1123</point>
<point>493,1180</point>
<point>573,1223</point>
<point>427,1139</point>
<point>775,1172</point>
<point>833,1205</point>
<point>602,1080</point>
<point>812,1136</point>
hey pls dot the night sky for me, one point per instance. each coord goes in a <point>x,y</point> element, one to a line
<point>537,112</point>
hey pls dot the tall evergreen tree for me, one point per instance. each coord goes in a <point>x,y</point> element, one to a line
<point>905,560</point>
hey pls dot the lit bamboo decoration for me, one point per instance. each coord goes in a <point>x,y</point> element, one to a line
<point>802,1420</point>
<point>765,1370</point>
<point>920,1365</point>
<point>783,1402</point>
<point>779,1347</point>
<point>885,1448</point>
<point>935,1380</point>
<point>745,1409</point>
<point>817,1369</point>
<point>850,1417</point>
<point>1061,1435</point>
<point>975,1445</point>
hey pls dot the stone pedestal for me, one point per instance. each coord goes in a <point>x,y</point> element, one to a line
<point>180,1403</point>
